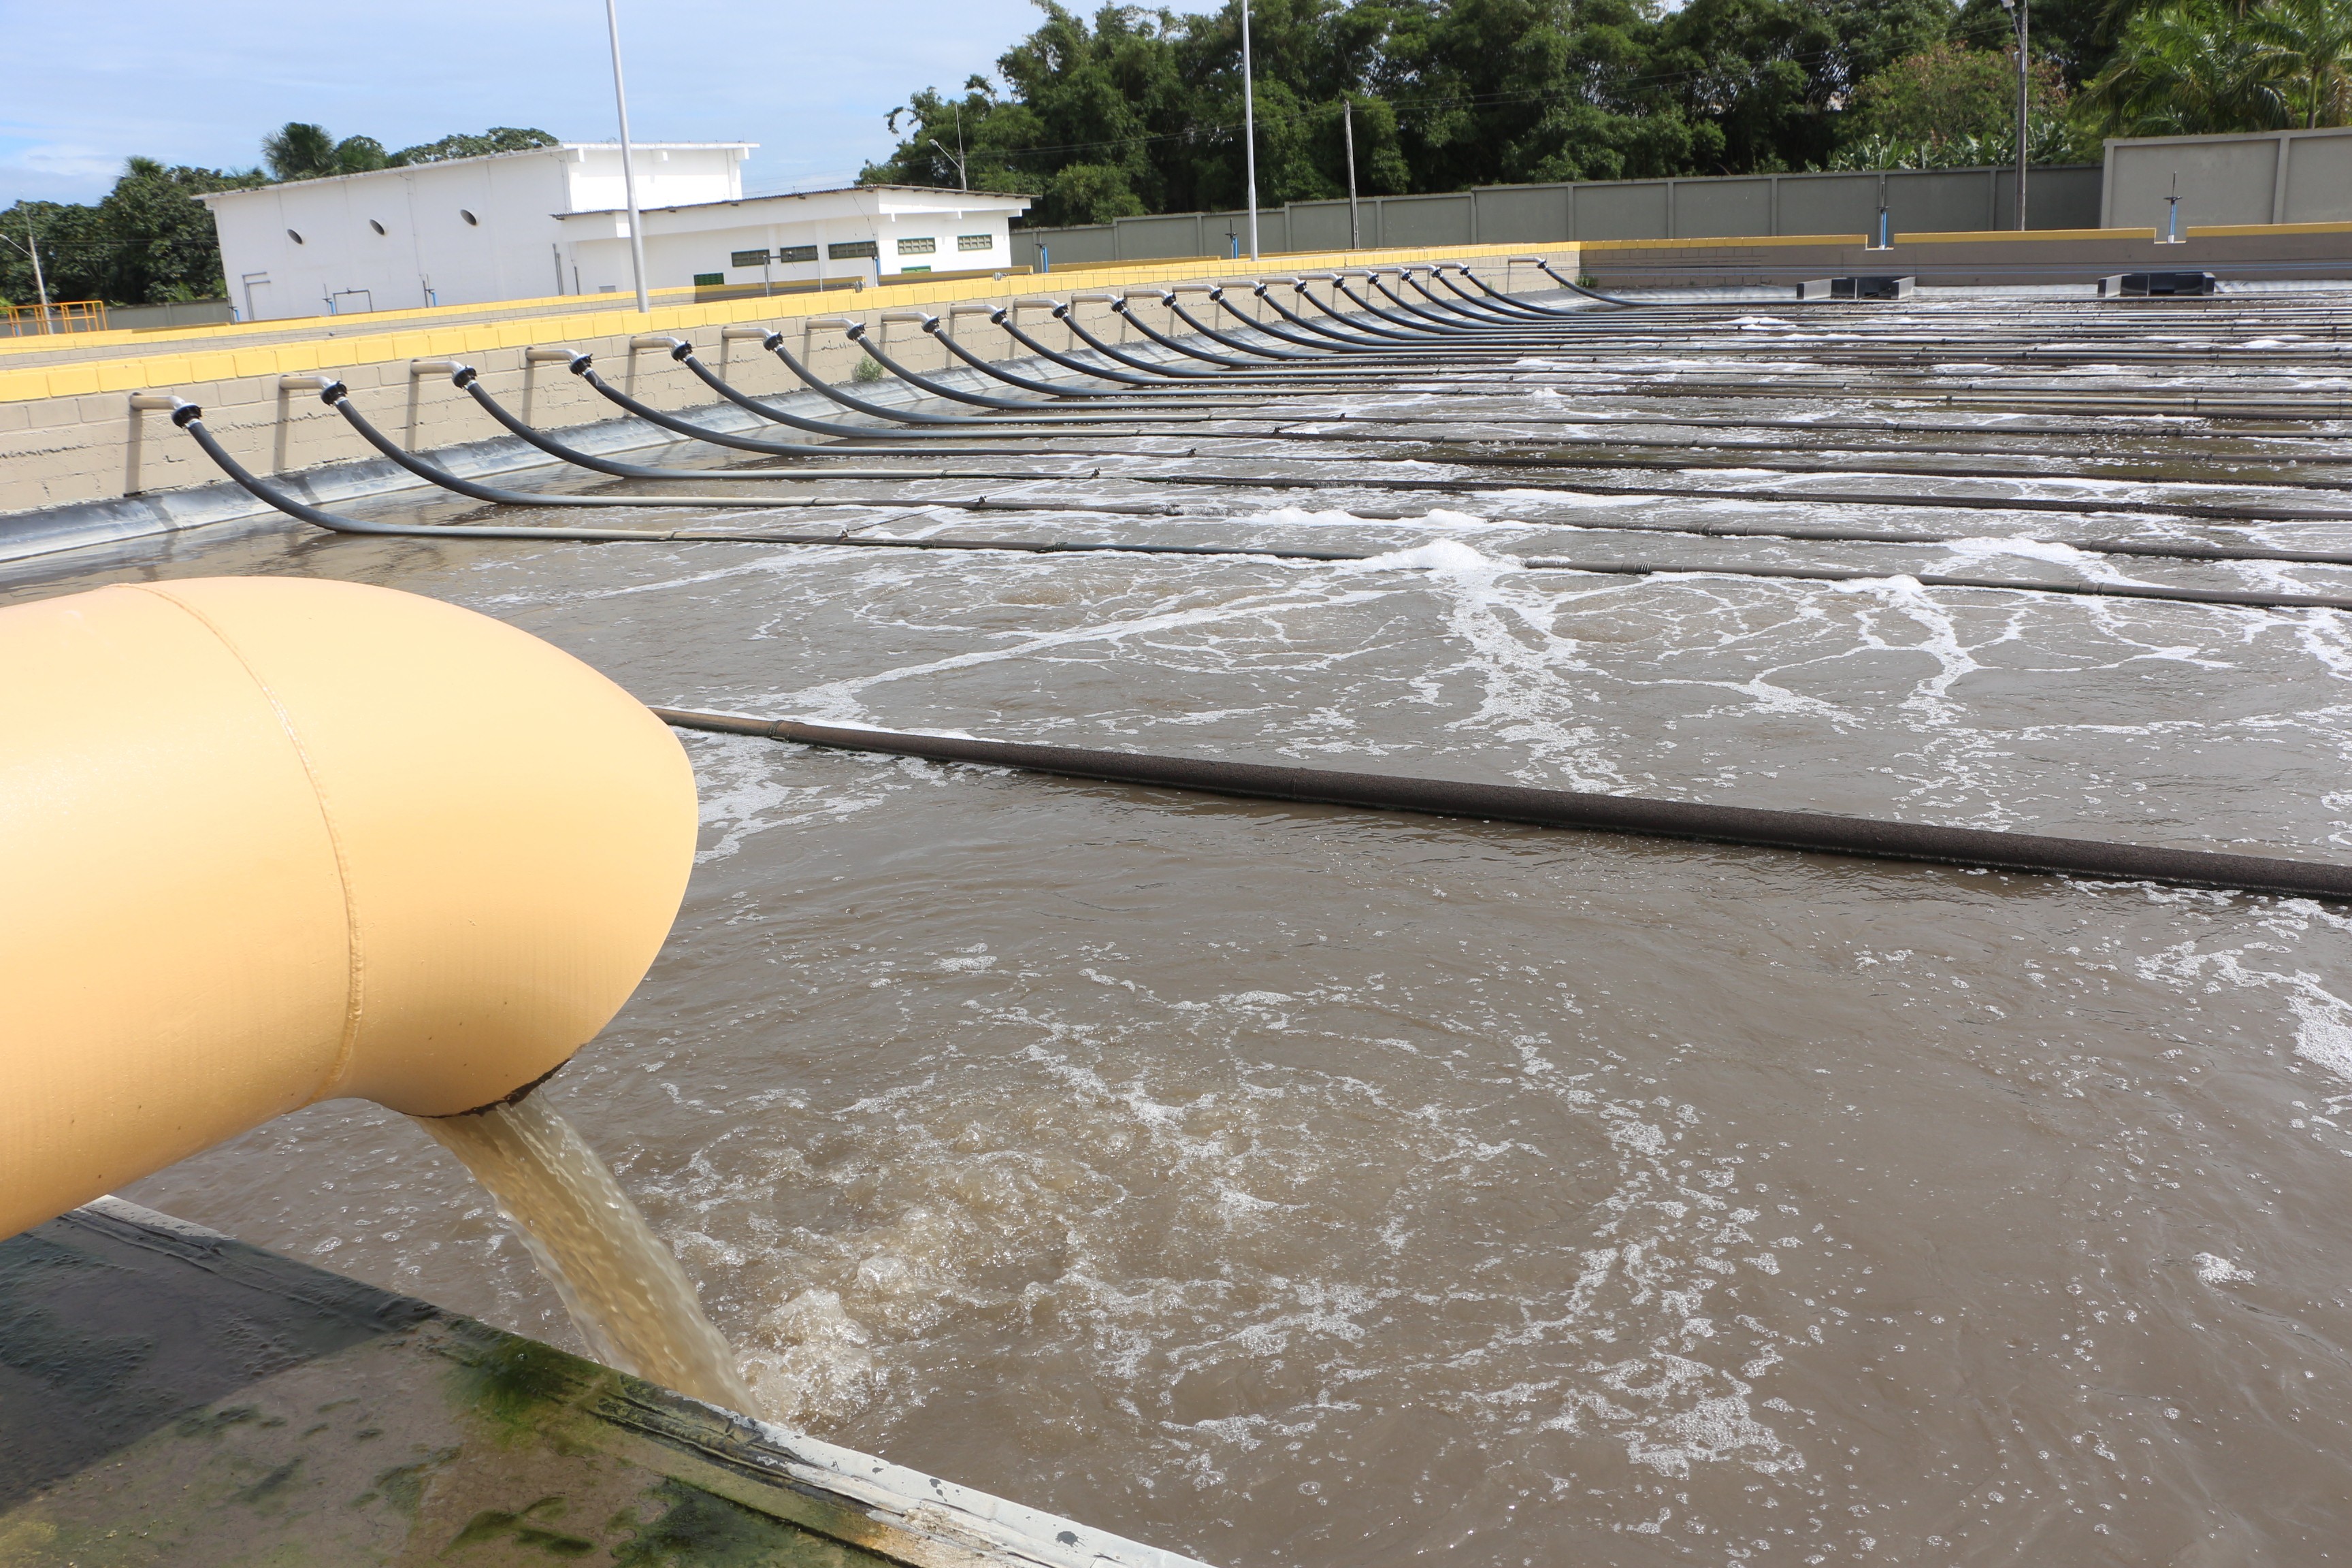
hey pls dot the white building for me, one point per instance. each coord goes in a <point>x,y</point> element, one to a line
<point>553,220</point>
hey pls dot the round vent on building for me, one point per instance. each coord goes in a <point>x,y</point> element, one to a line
<point>375,225</point>
<point>470,217</point>
<point>296,238</point>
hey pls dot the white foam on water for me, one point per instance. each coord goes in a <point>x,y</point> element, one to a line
<point>1445,555</point>
<point>1334,516</point>
<point>1980,548</point>
<point>841,699</point>
<point>1116,1200</point>
<point>2217,1270</point>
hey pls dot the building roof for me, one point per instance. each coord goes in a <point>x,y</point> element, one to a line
<point>557,148</point>
<point>966,200</point>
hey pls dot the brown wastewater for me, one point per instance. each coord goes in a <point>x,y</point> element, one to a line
<point>1282,1185</point>
<point>623,1288</point>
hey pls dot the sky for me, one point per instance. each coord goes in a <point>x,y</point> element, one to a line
<point>91,84</point>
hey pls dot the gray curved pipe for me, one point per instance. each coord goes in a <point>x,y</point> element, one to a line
<point>582,366</point>
<point>1426,332</point>
<point>1388,332</point>
<point>1069,318</point>
<point>337,396</point>
<point>1217,297</point>
<point>190,417</point>
<point>1348,339</point>
<point>937,328</point>
<point>857,333</point>
<point>1452,324</point>
<point>1175,307</point>
<point>471,383</point>
<point>1503,305</point>
<point>1461,305</point>
<point>1002,317</point>
<point>1119,308</point>
<point>1545,267</point>
<point>774,343</point>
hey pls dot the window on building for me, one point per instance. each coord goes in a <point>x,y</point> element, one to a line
<point>851,249</point>
<point>748,259</point>
<point>789,254</point>
<point>975,242</point>
<point>925,268</point>
<point>923,247</point>
<point>708,279</point>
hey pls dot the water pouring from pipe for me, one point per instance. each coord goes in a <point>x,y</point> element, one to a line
<point>625,1292</point>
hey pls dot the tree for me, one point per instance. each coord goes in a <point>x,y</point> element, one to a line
<point>358,154</point>
<point>1954,107</point>
<point>497,139</point>
<point>2189,67</point>
<point>1091,193</point>
<point>299,151</point>
<point>1950,91</point>
<point>2308,43</point>
<point>147,241</point>
<point>1146,105</point>
<point>2078,35</point>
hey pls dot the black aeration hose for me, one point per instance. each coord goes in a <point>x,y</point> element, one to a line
<point>1803,831</point>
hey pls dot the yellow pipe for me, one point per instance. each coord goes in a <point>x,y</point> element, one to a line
<point>267,841</point>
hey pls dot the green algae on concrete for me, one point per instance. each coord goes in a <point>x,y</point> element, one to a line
<point>172,1397</point>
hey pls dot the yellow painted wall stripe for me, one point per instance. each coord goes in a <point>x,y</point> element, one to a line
<point>1716,242</point>
<point>2011,236</point>
<point>2257,230</point>
<point>227,361</point>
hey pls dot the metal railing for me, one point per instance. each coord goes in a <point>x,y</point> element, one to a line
<point>59,316</point>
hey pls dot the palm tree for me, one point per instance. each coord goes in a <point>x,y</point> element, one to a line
<point>2310,41</point>
<point>299,151</point>
<point>2193,67</point>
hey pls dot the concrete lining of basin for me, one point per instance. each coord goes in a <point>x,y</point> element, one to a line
<point>78,465</point>
<point>171,1395</point>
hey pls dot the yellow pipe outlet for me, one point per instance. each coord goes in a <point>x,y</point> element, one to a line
<point>267,841</point>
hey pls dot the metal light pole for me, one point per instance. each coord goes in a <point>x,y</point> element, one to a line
<point>1347,126</point>
<point>2016,8</point>
<point>628,163</point>
<point>1249,130</point>
<point>963,181</point>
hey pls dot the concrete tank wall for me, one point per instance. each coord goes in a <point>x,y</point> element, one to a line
<point>2270,177</point>
<point>1724,206</point>
<point>77,464</point>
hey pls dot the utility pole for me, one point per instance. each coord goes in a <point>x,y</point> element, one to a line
<point>628,163</point>
<point>2016,8</point>
<point>1348,127</point>
<point>1249,130</point>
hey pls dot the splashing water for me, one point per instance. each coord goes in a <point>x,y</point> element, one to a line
<point>625,1290</point>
